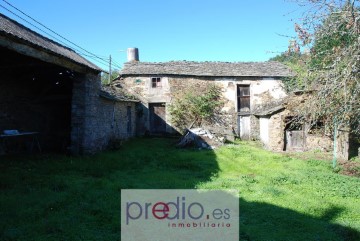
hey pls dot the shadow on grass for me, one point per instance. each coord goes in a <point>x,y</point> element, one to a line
<point>78,198</point>
<point>262,221</point>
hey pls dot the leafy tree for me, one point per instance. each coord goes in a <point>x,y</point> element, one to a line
<point>191,107</point>
<point>331,30</point>
<point>105,76</point>
<point>297,62</point>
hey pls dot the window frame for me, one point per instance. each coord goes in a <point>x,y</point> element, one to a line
<point>156,82</point>
<point>242,97</point>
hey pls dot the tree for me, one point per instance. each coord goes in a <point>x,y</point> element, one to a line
<point>295,60</point>
<point>105,76</point>
<point>191,107</point>
<point>331,30</point>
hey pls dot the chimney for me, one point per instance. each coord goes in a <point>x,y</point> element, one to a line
<point>132,54</point>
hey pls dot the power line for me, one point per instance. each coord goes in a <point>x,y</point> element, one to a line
<point>57,39</point>
<point>60,41</point>
<point>80,50</point>
<point>49,29</point>
<point>31,24</point>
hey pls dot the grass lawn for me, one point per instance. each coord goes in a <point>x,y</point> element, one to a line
<point>78,198</point>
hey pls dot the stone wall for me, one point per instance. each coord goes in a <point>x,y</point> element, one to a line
<point>276,131</point>
<point>97,121</point>
<point>316,141</point>
<point>319,142</point>
<point>347,145</point>
<point>262,90</point>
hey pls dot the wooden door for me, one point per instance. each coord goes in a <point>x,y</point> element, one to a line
<point>244,127</point>
<point>295,140</point>
<point>157,117</point>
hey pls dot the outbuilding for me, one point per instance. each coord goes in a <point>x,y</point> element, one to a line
<point>49,89</point>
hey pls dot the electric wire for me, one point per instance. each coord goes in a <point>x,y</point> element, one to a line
<point>78,49</point>
<point>103,62</point>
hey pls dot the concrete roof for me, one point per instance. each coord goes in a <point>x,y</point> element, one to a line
<point>215,69</point>
<point>11,28</point>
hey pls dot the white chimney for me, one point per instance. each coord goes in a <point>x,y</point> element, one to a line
<point>132,54</point>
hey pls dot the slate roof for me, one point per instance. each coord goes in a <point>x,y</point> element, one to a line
<point>215,69</point>
<point>11,28</point>
<point>110,93</point>
<point>270,111</point>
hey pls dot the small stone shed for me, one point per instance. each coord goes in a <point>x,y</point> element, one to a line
<point>244,85</point>
<point>48,88</point>
<point>279,130</point>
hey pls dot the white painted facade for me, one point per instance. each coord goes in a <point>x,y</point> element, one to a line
<point>264,130</point>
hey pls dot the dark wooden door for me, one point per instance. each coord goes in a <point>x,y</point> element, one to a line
<point>157,117</point>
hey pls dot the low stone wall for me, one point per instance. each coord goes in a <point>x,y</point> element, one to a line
<point>319,142</point>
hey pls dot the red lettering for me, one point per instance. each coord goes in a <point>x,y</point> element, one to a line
<point>164,209</point>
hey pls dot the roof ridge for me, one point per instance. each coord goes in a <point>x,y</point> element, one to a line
<point>202,62</point>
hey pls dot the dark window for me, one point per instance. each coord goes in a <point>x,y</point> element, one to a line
<point>243,94</point>
<point>293,123</point>
<point>156,82</point>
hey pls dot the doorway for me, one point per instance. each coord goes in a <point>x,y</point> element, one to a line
<point>157,117</point>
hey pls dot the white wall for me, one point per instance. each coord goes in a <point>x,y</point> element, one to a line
<point>264,130</point>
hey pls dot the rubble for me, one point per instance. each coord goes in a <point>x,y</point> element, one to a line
<point>201,138</point>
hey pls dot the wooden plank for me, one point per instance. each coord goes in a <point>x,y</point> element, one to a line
<point>294,140</point>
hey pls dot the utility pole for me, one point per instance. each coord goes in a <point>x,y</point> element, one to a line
<point>110,69</point>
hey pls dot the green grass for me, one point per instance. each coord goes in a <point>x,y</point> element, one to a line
<point>78,198</point>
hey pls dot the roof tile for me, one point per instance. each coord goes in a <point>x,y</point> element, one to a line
<point>216,69</point>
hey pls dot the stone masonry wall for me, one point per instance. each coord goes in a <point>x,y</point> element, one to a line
<point>261,90</point>
<point>277,132</point>
<point>96,121</point>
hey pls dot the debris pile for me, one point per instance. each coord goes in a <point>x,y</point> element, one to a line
<point>201,138</point>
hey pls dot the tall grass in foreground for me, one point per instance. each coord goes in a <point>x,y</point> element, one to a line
<point>78,198</point>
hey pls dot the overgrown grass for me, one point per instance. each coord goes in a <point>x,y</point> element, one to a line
<point>78,198</point>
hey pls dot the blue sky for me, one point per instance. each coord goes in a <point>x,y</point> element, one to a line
<point>165,30</point>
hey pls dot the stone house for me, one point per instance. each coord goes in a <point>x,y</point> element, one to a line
<point>245,87</point>
<point>49,89</point>
<point>256,105</point>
